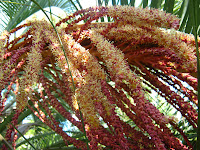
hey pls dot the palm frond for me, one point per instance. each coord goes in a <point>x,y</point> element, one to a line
<point>48,140</point>
<point>19,10</point>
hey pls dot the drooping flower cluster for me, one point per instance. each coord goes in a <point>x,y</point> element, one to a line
<point>97,68</point>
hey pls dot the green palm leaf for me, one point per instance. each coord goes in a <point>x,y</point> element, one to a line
<point>19,10</point>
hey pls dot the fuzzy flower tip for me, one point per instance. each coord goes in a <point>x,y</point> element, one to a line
<point>139,16</point>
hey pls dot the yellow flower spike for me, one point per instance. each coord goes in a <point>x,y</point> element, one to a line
<point>140,16</point>
<point>114,58</point>
<point>84,96</point>
<point>3,39</point>
<point>23,96</point>
<point>172,39</point>
<point>74,102</point>
<point>79,56</point>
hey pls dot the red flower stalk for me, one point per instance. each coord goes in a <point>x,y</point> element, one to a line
<point>135,48</point>
<point>182,133</point>
<point>9,136</point>
<point>173,99</point>
<point>187,77</point>
<point>54,102</point>
<point>54,125</point>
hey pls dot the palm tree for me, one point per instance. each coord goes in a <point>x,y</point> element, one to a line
<point>13,11</point>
